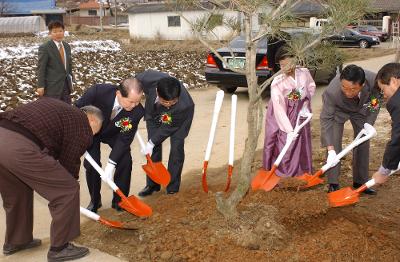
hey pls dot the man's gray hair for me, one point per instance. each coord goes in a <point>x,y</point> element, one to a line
<point>129,84</point>
<point>92,110</point>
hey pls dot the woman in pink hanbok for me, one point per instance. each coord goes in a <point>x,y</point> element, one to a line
<point>290,91</point>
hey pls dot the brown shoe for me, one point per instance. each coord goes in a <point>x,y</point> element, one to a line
<point>9,249</point>
<point>71,252</point>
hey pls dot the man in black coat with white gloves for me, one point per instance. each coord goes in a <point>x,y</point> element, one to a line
<point>169,113</point>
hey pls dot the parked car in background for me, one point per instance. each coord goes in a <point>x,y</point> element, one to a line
<point>372,31</point>
<point>349,37</point>
<point>217,73</point>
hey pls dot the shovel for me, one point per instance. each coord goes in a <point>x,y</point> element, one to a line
<point>217,107</point>
<point>110,223</point>
<point>267,180</point>
<point>347,196</point>
<point>231,142</point>
<point>131,204</point>
<point>365,134</point>
<point>155,170</point>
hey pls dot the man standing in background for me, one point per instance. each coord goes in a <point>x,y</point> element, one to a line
<point>54,71</point>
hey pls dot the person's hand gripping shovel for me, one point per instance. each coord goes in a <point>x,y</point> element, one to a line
<point>312,180</point>
<point>267,179</point>
<point>132,204</point>
<point>155,170</point>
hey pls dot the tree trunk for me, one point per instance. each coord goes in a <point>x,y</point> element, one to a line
<point>397,58</point>
<point>228,206</point>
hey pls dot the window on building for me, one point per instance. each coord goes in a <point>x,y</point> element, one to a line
<point>92,12</point>
<point>174,21</point>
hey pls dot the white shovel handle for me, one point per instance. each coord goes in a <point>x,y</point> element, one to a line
<point>217,107</point>
<point>103,177</point>
<point>140,139</point>
<point>232,130</point>
<point>290,140</point>
<point>365,134</point>
<point>89,213</point>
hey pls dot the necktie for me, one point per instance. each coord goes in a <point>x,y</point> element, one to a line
<point>114,112</point>
<point>61,50</point>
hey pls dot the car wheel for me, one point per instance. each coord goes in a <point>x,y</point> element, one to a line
<point>363,44</point>
<point>228,89</point>
<point>266,93</point>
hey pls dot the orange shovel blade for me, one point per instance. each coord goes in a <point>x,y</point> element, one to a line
<point>115,224</point>
<point>312,180</point>
<point>157,172</point>
<point>204,177</point>
<point>265,180</point>
<point>343,197</point>
<point>134,206</point>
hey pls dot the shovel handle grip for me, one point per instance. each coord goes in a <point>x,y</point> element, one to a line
<point>232,130</point>
<point>89,214</point>
<point>103,177</point>
<point>217,107</point>
<point>140,139</point>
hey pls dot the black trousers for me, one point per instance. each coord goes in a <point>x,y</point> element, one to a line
<point>122,175</point>
<point>176,156</point>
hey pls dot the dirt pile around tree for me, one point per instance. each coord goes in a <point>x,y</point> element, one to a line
<point>285,224</point>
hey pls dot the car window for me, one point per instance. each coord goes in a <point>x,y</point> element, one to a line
<point>372,28</point>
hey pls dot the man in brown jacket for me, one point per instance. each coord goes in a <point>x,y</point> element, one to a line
<point>40,148</point>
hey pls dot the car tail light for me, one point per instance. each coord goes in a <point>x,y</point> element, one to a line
<point>263,65</point>
<point>211,61</point>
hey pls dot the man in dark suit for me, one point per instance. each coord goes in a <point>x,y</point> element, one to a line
<point>388,80</point>
<point>169,113</point>
<point>54,71</point>
<point>122,112</point>
<point>349,96</point>
<point>40,148</point>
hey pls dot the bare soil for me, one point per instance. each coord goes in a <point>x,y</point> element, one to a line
<point>282,225</point>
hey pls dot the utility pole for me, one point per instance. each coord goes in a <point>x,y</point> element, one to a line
<point>101,15</point>
<point>115,12</point>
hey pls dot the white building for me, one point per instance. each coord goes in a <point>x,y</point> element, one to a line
<point>156,20</point>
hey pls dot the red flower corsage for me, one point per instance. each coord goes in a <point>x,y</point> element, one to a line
<point>125,124</point>
<point>294,95</point>
<point>166,118</point>
<point>374,104</point>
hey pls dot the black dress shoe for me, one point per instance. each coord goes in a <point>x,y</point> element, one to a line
<point>92,208</point>
<point>9,249</point>
<point>116,207</point>
<point>333,188</point>
<point>368,191</point>
<point>148,190</point>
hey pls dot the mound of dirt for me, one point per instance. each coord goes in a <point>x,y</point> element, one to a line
<point>285,224</point>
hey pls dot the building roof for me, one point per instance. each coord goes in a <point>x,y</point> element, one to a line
<point>25,7</point>
<point>306,8</point>
<point>386,5</point>
<point>144,8</point>
<point>91,4</point>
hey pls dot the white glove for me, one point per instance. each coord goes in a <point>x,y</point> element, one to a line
<point>148,149</point>
<point>109,171</point>
<point>292,135</point>
<point>332,161</point>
